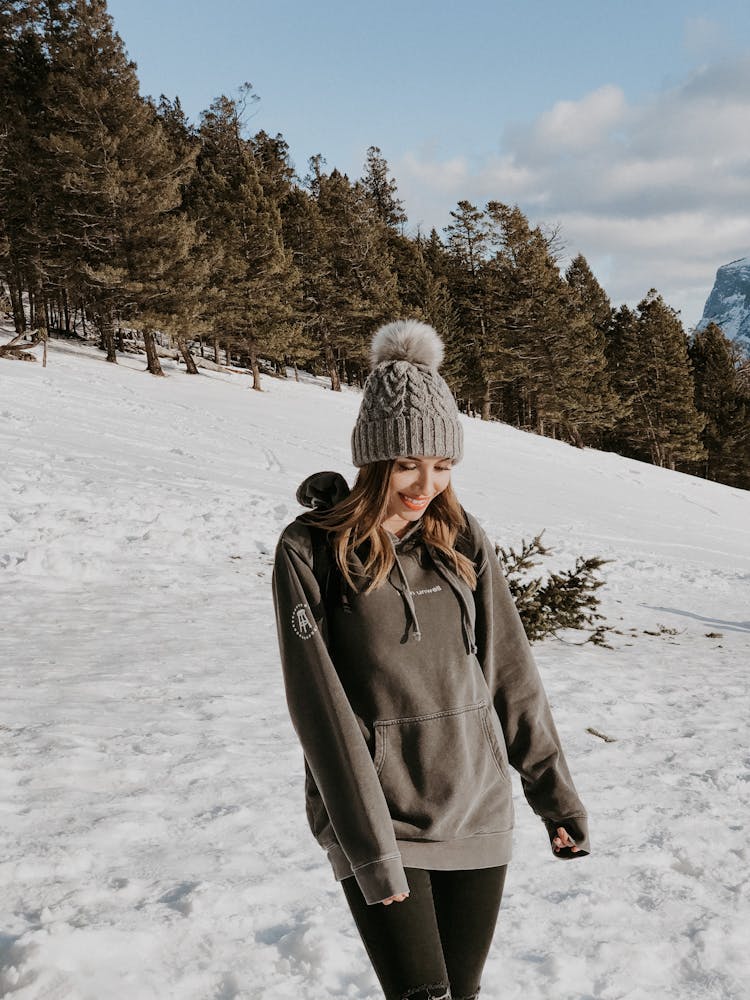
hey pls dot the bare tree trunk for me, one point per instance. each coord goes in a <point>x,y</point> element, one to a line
<point>19,319</point>
<point>333,371</point>
<point>40,309</point>
<point>574,434</point>
<point>254,364</point>
<point>107,332</point>
<point>153,364</point>
<point>16,297</point>
<point>216,350</point>
<point>486,401</point>
<point>66,310</point>
<point>190,366</point>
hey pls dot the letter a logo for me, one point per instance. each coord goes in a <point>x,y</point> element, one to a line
<point>302,622</point>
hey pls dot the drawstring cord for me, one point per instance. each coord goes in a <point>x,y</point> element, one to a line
<point>406,593</point>
<point>443,570</point>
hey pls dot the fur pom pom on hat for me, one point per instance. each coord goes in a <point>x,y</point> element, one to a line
<point>407,407</point>
<point>407,340</point>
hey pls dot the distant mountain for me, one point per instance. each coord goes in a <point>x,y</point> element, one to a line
<point>728,305</point>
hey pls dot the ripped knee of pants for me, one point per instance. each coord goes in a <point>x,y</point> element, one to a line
<point>433,991</point>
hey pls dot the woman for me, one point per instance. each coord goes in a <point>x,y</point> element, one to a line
<point>412,688</point>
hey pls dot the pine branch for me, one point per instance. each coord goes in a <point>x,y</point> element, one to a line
<point>565,601</point>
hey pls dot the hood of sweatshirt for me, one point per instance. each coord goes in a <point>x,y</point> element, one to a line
<point>323,490</point>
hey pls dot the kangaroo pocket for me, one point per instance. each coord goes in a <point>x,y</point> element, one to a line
<point>444,775</point>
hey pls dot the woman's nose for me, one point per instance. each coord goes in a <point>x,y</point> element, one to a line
<point>426,484</point>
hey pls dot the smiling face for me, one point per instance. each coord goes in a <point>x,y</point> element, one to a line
<point>415,482</point>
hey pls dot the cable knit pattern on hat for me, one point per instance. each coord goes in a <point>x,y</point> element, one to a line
<point>407,407</point>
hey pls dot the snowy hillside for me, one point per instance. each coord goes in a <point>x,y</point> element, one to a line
<point>154,840</point>
<point>728,305</point>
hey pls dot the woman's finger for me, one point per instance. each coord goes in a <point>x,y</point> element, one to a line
<point>564,839</point>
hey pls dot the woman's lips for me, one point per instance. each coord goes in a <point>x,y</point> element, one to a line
<point>413,504</point>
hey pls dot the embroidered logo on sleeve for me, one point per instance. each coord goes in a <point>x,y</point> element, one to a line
<point>303,622</point>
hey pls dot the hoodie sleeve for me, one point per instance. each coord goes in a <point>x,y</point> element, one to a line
<point>521,703</point>
<point>332,740</point>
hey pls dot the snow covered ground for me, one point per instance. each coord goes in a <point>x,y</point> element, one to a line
<point>154,842</point>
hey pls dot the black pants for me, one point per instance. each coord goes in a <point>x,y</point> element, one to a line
<point>435,942</point>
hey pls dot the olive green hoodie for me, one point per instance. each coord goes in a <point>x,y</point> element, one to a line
<point>411,704</point>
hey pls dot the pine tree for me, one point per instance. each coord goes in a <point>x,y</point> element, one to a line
<point>430,295</point>
<point>468,241</point>
<point>302,229</point>
<point>550,347</point>
<point>588,294</point>
<point>251,269</point>
<point>355,288</point>
<point>383,190</point>
<point>622,353</point>
<point>593,306</point>
<point>182,304</point>
<point>669,426</point>
<point>421,293</point>
<point>435,254</point>
<point>168,268</point>
<point>274,169</point>
<point>720,398</point>
<point>114,162</point>
<point>25,166</point>
<point>277,177</point>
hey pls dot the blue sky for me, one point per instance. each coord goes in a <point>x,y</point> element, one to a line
<point>625,124</point>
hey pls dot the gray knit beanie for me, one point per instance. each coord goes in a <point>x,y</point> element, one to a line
<point>407,407</point>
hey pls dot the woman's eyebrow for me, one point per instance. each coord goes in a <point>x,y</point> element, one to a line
<point>414,458</point>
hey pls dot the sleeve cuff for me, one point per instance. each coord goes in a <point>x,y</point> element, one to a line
<point>577,827</point>
<point>381,879</point>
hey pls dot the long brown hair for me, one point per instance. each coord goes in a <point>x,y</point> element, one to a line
<point>358,518</point>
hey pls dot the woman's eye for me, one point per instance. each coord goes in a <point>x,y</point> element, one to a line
<point>438,468</point>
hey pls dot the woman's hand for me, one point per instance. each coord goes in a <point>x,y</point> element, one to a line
<point>399,898</point>
<point>563,839</point>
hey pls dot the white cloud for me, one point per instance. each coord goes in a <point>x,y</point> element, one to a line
<point>579,125</point>
<point>447,176</point>
<point>657,191</point>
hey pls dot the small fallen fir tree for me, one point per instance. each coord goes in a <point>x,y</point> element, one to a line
<point>564,601</point>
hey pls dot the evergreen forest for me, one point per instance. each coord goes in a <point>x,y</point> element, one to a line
<point>123,222</point>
